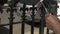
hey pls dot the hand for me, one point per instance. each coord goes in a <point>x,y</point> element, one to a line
<point>52,22</point>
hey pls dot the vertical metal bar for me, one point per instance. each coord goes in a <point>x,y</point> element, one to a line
<point>41,27</point>
<point>33,16</point>
<point>11,18</point>
<point>23,20</point>
<point>47,31</point>
<point>0,21</point>
<point>1,8</point>
<point>11,22</point>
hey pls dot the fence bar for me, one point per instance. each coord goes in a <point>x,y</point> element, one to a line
<point>41,27</point>
<point>1,8</point>
<point>11,22</point>
<point>0,21</point>
<point>11,17</point>
<point>23,20</point>
<point>47,31</point>
<point>33,19</point>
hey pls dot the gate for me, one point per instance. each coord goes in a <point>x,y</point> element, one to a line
<point>11,18</point>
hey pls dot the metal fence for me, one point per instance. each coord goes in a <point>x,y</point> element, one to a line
<point>42,20</point>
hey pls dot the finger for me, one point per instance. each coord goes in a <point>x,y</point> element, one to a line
<point>47,15</point>
<point>48,24</point>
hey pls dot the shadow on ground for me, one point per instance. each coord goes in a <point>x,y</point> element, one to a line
<point>4,30</point>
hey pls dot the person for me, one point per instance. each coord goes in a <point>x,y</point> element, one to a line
<point>53,23</point>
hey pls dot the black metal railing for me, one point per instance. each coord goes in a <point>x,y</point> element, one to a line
<point>41,28</point>
<point>11,23</point>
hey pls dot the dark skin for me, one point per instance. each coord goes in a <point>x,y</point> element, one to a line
<point>53,23</point>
